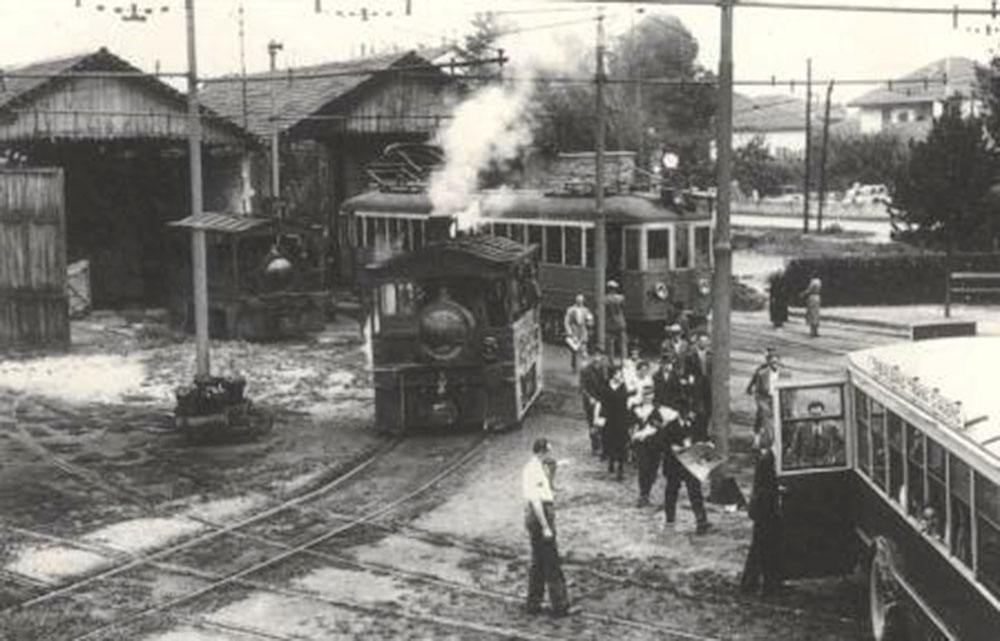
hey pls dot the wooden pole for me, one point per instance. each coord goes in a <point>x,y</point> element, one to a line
<point>600,222</point>
<point>822,160</point>
<point>721,287</point>
<point>272,50</point>
<point>199,264</point>
<point>805,186</point>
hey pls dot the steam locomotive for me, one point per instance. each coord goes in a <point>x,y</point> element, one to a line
<point>456,338</point>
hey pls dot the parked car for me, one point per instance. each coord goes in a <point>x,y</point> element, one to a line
<point>859,194</point>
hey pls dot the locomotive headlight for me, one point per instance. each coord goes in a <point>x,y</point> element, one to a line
<point>660,291</point>
<point>704,287</point>
<point>491,347</point>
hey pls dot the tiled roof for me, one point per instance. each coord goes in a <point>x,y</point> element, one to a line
<point>298,92</point>
<point>943,77</point>
<point>777,113</point>
<point>13,87</point>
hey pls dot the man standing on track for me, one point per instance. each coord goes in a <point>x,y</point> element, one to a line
<point>762,385</point>
<point>540,519</point>
<point>577,323</point>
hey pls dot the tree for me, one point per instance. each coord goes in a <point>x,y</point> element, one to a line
<point>651,118</point>
<point>867,159</point>
<point>755,168</point>
<point>486,30</point>
<point>940,195</point>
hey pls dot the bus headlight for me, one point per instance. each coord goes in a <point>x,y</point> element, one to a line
<point>704,287</point>
<point>660,291</point>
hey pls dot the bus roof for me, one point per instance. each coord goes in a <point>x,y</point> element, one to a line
<point>531,204</point>
<point>936,374</point>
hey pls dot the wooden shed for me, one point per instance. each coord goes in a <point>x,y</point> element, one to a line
<point>120,136</point>
<point>335,118</point>
<point>34,311</point>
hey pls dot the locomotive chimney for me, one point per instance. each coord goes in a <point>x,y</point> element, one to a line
<point>439,227</point>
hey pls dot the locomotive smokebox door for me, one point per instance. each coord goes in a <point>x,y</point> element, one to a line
<point>439,227</point>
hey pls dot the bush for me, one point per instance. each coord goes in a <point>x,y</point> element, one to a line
<point>747,299</point>
<point>881,280</point>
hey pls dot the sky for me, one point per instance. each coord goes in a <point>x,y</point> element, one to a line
<point>767,43</point>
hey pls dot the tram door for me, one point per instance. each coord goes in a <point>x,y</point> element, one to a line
<point>811,451</point>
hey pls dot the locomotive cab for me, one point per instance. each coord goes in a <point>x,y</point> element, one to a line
<point>455,335</point>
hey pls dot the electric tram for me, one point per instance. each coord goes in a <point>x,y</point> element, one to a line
<point>896,466</point>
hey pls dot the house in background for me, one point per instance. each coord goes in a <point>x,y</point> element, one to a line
<point>907,105</point>
<point>779,120</point>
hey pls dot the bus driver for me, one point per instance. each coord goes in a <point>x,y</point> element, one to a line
<point>816,442</point>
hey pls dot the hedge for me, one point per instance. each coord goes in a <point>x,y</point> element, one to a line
<point>881,280</point>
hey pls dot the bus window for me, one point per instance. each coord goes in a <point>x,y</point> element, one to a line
<point>915,471</point>
<point>517,232</point>
<point>960,482</point>
<point>535,236</point>
<point>988,534</point>
<point>812,428</point>
<point>703,247</point>
<point>895,431</point>
<point>861,426</point>
<point>632,249</point>
<point>658,250</point>
<point>574,246</point>
<point>553,245</point>
<point>935,515</point>
<point>682,259</point>
<point>877,420</point>
<point>588,241</point>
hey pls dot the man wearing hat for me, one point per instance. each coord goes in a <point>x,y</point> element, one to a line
<point>540,520</point>
<point>615,333</point>
<point>674,343</point>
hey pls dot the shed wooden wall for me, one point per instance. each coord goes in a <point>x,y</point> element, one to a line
<point>105,109</point>
<point>34,310</point>
<point>400,104</point>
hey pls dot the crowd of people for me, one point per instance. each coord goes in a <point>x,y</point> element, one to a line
<point>647,414</point>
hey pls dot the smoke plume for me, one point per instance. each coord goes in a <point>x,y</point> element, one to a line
<point>495,124</point>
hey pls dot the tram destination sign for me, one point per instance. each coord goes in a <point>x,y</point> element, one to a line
<point>922,395</point>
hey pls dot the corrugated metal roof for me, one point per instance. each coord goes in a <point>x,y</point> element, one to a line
<point>495,249</point>
<point>223,223</point>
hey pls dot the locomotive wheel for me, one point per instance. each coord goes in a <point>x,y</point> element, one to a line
<point>884,608</point>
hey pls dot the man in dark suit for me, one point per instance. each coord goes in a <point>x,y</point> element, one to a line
<point>594,377</point>
<point>817,442</point>
<point>699,368</point>
<point>763,559</point>
<point>677,436</point>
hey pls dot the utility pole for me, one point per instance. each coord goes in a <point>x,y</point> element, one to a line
<point>198,260</point>
<point>600,223</point>
<point>723,251</point>
<point>272,50</point>
<point>805,187</point>
<point>822,159</point>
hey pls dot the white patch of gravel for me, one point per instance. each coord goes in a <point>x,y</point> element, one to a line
<point>138,535</point>
<point>352,585</point>
<point>53,564</point>
<point>229,509</point>
<point>94,378</point>
<point>188,633</point>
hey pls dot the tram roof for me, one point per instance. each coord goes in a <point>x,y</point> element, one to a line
<point>933,373</point>
<point>533,204</point>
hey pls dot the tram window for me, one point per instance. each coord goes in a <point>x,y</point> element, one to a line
<point>895,433</point>
<point>960,483</point>
<point>501,229</point>
<point>535,235</point>
<point>418,234</point>
<point>517,232</point>
<point>553,245</point>
<point>936,500</point>
<point>915,471</point>
<point>988,534</point>
<point>861,418</point>
<point>632,249</point>
<point>387,300</point>
<point>574,246</point>
<point>702,246</point>
<point>588,241</point>
<point>658,249</point>
<point>359,232</point>
<point>370,233</point>
<point>682,260</point>
<point>877,420</point>
<point>393,227</point>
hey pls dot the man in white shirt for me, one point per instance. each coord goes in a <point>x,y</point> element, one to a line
<point>540,519</point>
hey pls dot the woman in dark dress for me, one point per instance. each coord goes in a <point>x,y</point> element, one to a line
<point>617,417</point>
<point>763,559</point>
